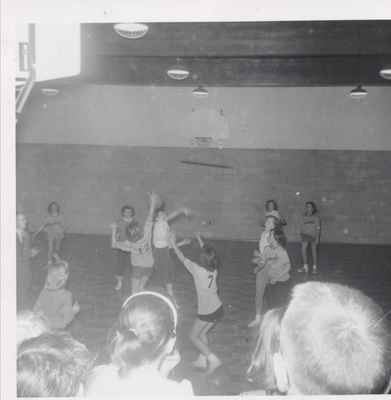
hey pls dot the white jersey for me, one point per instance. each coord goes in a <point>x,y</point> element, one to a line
<point>264,241</point>
<point>273,213</point>
<point>206,287</point>
<point>161,234</point>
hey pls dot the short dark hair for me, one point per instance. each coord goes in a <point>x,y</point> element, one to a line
<point>54,204</point>
<point>271,201</point>
<point>52,365</point>
<point>209,258</point>
<point>127,207</point>
<point>313,205</point>
<point>133,231</point>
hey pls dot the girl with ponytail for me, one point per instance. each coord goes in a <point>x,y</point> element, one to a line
<point>142,350</point>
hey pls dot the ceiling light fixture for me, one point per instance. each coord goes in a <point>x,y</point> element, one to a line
<point>358,92</point>
<point>131,30</point>
<point>200,92</point>
<point>385,72</point>
<point>178,71</point>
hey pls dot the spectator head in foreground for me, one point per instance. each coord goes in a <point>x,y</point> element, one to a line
<point>330,339</point>
<point>30,325</point>
<point>146,331</point>
<point>52,365</point>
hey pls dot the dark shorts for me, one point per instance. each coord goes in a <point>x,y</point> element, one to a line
<point>278,294</point>
<point>122,261</point>
<point>307,238</point>
<point>213,317</point>
<point>163,266</point>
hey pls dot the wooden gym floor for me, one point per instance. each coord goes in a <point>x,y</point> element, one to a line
<point>365,267</point>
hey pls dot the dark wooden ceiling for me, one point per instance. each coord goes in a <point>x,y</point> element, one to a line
<point>241,53</point>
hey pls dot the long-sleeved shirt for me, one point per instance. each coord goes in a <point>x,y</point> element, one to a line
<point>277,264</point>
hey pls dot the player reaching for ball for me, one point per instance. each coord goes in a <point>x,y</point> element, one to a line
<point>139,244</point>
<point>210,308</point>
<point>161,243</point>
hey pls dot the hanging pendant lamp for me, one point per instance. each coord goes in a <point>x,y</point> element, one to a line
<point>200,92</point>
<point>385,72</point>
<point>358,92</point>
<point>131,30</point>
<point>178,71</point>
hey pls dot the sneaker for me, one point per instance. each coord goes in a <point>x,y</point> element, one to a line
<point>213,363</point>
<point>314,269</point>
<point>254,322</point>
<point>201,362</point>
<point>303,269</point>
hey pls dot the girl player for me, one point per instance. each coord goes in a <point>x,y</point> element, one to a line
<point>310,235</point>
<point>122,257</point>
<point>54,228</point>
<point>271,208</point>
<point>261,274</point>
<point>161,244</point>
<point>140,247</point>
<point>210,308</point>
<point>277,264</point>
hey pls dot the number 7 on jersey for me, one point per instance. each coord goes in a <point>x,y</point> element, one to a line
<point>210,277</point>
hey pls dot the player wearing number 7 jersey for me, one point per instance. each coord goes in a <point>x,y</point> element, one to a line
<point>210,308</point>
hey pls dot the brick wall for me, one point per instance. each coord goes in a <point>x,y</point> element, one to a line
<point>352,188</point>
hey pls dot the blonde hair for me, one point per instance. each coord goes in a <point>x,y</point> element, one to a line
<point>334,341</point>
<point>57,275</point>
<point>29,325</point>
<point>268,343</point>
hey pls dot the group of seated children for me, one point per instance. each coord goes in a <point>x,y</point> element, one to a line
<point>329,340</point>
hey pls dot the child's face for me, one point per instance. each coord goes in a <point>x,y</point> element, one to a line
<point>127,215</point>
<point>309,209</point>
<point>54,210</point>
<point>161,215</point>
<point>270,206</point>
<point>21,222</point>
<point>269,224</point>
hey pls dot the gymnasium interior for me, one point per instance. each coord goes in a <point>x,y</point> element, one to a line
<point>218,117</point>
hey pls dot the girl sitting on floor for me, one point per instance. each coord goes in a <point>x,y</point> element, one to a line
<point>55,302</point>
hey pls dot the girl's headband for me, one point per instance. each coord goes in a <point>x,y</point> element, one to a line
<point>159,296</point>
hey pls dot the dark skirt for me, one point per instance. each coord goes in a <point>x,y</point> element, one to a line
<point>122,262</point>
<point>278,294</point>
<point>163,269</point>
